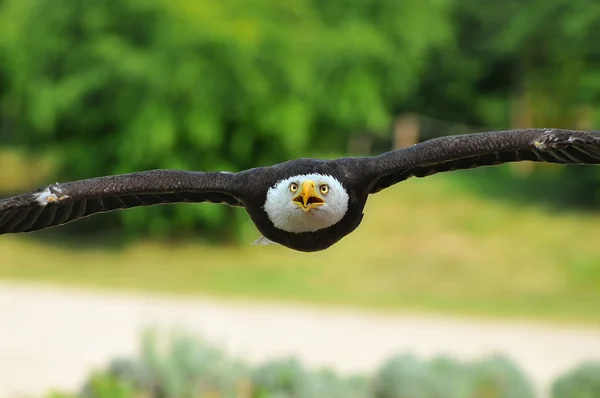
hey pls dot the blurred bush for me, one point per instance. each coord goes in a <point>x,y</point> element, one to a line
<point>185,367</point>
<point>287,378</point>
<point>499,377</point>
<point>282,379</point>
<point>581,382</point>
<point>405,376</point>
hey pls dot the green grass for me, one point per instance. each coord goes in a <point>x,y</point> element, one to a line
<point>425,245</point>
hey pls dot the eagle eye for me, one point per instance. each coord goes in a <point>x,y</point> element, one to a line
<point>324,189</point>
<point>293,187</point>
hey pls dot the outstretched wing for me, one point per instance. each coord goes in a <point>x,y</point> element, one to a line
<point>62,203</point>
<point>484,149</point>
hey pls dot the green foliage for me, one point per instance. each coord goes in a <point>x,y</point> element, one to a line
<point>185,367</point>
<point>60,394</point>
<point>581,382</point>
<point>287,378</point>
<point>108,86</point>
<point>498,377</point>
<point>405,376</point>
<point>453,376</point>
<point>534,62</point>
<point>328,384</point>
<point>119,86</point>
<point>520,64</point>
<point>106,385</point>
<point>282,379</point>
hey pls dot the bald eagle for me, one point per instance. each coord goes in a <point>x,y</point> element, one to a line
<point>304,204</point>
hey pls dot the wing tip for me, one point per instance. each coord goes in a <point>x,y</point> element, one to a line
<point>553,138</point>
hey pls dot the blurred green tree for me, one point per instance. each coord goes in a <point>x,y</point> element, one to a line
<point>582,381</point>
<point>109,86</point>
<point>117,86</point>
<point>517,64</point>
<point>520,64</point>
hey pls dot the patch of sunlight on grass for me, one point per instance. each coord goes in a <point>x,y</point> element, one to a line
<point>424,244</point>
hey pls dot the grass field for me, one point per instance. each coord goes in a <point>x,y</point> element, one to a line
<point>426,244</point>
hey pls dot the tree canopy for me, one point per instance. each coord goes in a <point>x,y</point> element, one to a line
<point>114,86</point>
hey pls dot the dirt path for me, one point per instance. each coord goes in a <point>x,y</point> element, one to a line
<point>52,337</point>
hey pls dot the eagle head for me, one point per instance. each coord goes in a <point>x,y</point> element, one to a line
<point>306,203</point>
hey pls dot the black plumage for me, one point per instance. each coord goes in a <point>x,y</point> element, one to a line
<point>360,176</point>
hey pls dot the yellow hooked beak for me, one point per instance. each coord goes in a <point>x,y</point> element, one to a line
<point>308,197</point>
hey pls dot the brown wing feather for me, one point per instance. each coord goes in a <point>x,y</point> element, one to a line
<point>62,203</point>
<point>484,149</point>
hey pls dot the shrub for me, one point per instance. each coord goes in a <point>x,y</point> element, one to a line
<point>498,377</point>
<point>185,367</point>
<point>581,382</point>
<point>329,385</point>
<point>452,376</point>
<point>190,367</point>
<point>106,385</point>
<point>404,376</point>
<point>287,378</point>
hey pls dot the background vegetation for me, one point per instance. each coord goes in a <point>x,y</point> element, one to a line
<point>102,87</point>
<point>189,367</point>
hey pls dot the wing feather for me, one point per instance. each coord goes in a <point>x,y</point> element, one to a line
<point>62,203</point>
<point>493,148</point>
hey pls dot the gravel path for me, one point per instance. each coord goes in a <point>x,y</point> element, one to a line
<point>51,337</point>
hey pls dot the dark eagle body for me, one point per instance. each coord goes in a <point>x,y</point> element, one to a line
<point>348,172</point>
<point>357,177</point>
